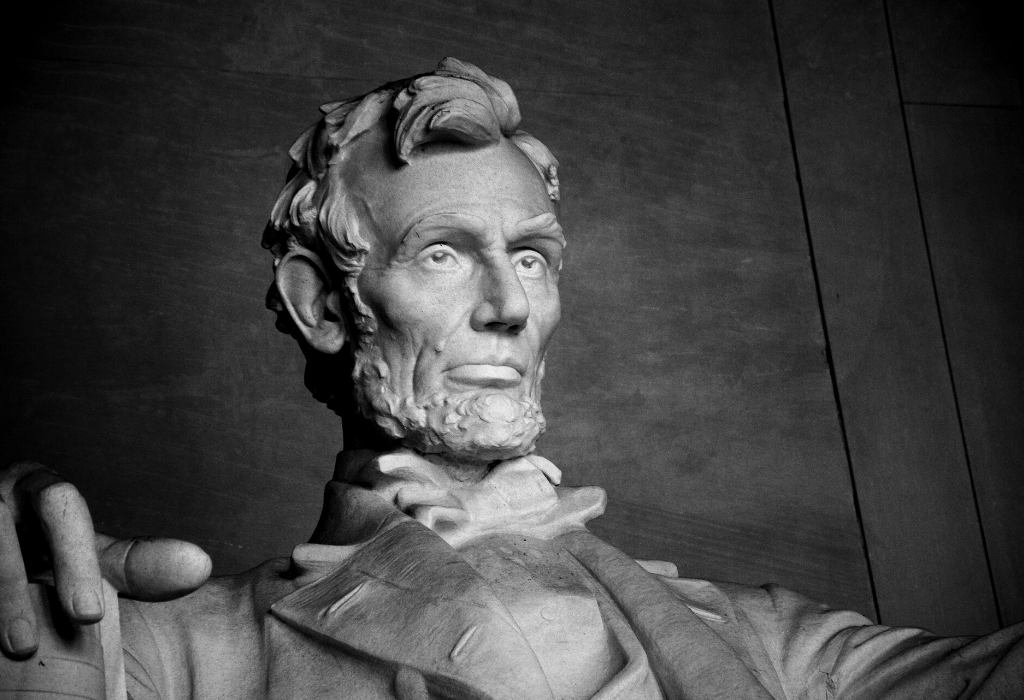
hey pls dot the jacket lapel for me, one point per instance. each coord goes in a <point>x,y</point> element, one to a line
<point>406,599</point>
<point>689,659</point>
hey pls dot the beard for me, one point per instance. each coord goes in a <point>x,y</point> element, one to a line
<point>480,425</point>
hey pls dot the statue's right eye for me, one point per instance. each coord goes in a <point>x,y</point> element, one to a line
<point>440,256</point>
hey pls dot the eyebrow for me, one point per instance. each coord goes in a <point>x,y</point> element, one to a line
<point>542,225</point>
<point>449,220</point>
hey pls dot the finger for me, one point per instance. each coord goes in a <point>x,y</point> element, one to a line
<point>150,568</point>
<point>18,637</point>
<point>66,522</point>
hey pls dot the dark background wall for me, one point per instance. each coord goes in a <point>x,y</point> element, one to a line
<point>792,346</point>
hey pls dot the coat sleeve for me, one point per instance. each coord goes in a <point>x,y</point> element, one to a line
<point>825,654</point>
<point>206,645</point>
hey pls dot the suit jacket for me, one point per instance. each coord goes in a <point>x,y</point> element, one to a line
<point>382,606</point>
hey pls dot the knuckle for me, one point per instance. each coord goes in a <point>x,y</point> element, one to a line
<point>60,492</point>
<point>58,502</point>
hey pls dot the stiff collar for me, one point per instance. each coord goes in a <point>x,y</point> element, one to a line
<point>517,496</point>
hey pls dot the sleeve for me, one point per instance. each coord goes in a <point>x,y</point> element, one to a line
<point>825,654</point>
<point>149,655</point>
<point>207,645</point>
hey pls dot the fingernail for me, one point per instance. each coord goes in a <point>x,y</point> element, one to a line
<point>20,638</point>
<point>87,605</point>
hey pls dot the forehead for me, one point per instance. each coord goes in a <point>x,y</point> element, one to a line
<point>498,184</point>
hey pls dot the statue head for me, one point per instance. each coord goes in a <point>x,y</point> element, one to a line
<point>417,255</point>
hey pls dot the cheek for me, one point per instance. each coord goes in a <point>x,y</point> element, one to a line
<point>412,314</point>
<point>545,312</point>
<point>391,298</point>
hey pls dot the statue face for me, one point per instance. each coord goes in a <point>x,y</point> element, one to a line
<point>462,278</point>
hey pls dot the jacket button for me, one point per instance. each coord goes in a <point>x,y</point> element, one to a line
<point>410,685</point>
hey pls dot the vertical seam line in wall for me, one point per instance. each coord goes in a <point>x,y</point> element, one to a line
<point>821,311</point>
<point>938,309</point>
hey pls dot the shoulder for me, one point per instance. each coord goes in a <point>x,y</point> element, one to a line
<point>781,619</point>
<point>770,608</point>
<point>799,638</point>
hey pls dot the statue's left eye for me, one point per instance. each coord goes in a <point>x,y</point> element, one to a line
<point>530,263</point>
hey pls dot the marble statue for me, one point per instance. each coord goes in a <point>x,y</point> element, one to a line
<point>416,254</point>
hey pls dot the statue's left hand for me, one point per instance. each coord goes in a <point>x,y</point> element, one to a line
<point>55,523</point>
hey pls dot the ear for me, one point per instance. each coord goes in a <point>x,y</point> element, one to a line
<point>314,306</point>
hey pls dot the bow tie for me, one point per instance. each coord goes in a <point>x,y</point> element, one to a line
<point>517,496</point>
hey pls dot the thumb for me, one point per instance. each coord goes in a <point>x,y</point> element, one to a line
<point>152,568</point>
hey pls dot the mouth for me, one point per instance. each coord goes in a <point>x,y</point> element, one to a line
<point>486,375</point>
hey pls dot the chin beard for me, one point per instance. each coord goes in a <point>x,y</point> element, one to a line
<point>477,426</point>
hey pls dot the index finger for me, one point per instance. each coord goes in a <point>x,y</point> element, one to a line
<point>67,525</point>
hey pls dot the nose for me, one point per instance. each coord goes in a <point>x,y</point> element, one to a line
<point>503,304</point>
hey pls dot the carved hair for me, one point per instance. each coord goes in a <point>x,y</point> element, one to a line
<point>457,103</point>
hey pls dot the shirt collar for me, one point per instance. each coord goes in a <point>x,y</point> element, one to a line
<point>519,496</point>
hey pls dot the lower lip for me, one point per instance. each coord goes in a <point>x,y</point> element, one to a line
<point>498,376</point>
